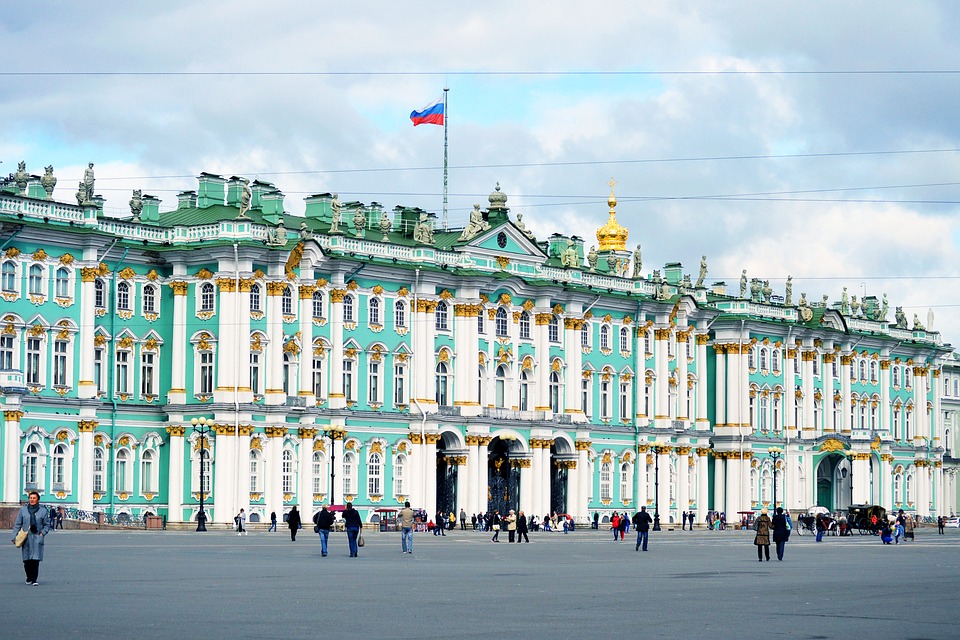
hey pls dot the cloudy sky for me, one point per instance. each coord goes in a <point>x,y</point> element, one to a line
<point>818,139</point>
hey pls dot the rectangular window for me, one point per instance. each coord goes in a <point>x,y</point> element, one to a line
<point>318,378</point>
<point>123,371</point>
<point>98,377</point>
<point>399,386</point>
<point>206,372</point>
<point>255,373</point>
<point>147,372</point>
<point>32,369</point>
<point>6,352</point>
<point>348,379</point>
<point>60,363</point>
<point>374,383</point>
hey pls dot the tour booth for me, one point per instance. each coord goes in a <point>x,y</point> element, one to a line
<point>387,518</point>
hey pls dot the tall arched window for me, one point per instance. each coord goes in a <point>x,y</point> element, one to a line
<point>348,308</point>
<point>524,390</point>
<point>554,391</point>
<point>120,477</point>
<point>9,277</point>
<point>626,482</point>
<point>442,384</point>
<point>605,398</point>
<point>99,485</point>
<point>553,329</point>
<point>286,302</point>
<point>317,305</point>
<point>525,326</point>
<point>147,466</point>
<point>35,280</point>
<point>898,489</point>
<point>318,469</point>
<point>400,314</point>
<point>349,461</point>
<point>909,496</point>
<point>399,471</point>
<point>99,294</point>
<point>62,283</point>
<point>585,335</point>
<point>624,340</point>
<point>255,304</point>
<point>764,415</point>
<point>373,309</point>
<point>123,296</point>
<point>31,467</point>
<point>648,342</point>
<point>501,322</point>
<point>149,299</point>
<point>375,475</point>
<point>441,316</point>
<point>606,473</point>
<point>59,473</point>
<point>775,359</point>
<point>256,484</point>
<point>501,386</point>
<point>286,471</point>
<point>207,297</point>
<point>763,358</point>
<point>604,337</point>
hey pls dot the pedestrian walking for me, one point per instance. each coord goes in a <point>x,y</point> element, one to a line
<point>762,539</point>
<point>463,519</point>
<point>821,527</point>
<point>641,522</point>
<point>241,521</point>
<point>293,521</point>
<point>511,522</point>
<point>441,522</point>
<point>34,519</point>
<point>405,522</point>
<point>908,528</point>
<point>495,525</point>
<point>781,531</point>
<point>615,526</point>
<point>473,521</point>
<point>940,525</point>
<point>323,522</point>
<point>62,513</point>
<point>273,521</point>
<point>522,528</point>
<point>621,526</point>
<point>453,521</point>
<point>353,523</point>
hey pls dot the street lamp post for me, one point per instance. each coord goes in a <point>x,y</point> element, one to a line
<point>776,453</point>
<point>202,426</point>
<point>656,486</point>
<point>333,433</point>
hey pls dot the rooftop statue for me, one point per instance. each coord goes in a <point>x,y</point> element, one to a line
<point>703,271</point>
<point>916,324</point>
<point>844,302</point>
<point>789,292</point>
<point>385,226</point>
<point>803,310</point>
<point>901,318</point>
<point>637,263</point>
<point>48,181</point>
<point>854,306</point>
<point>20,177</point>
<point>335,214</point>
<point>476,225</point>
<point>880,312</point>
<point>569,257</point>
<point>359,222</point>
<point>743,284</point>
<point>246,197</point>
<point>305,233</point>
<point>136,204</point>
<point>613,262</point>
<point>522,227</point>
<point>593,258</point>
<point>88,181</point>
<point>423,233</point>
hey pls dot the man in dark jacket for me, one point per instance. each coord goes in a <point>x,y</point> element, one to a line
<point>324,522</point>
<point>641,522</point>
<point>522,528</point>
<point>293,521</point>
<point>780,532</point>
<point>353,523</point>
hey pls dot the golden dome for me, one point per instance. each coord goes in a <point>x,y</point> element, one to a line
<point>611,236</point>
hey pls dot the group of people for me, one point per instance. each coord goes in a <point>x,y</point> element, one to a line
<point>780,525</point>
<point>901,527</point>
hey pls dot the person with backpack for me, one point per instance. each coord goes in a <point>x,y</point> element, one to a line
<point>322,523</point>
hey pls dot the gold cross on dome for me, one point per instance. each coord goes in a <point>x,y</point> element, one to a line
<point>612,183</point>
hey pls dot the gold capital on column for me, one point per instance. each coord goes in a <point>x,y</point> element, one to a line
<point>227,285</point>
<point>12,416</point>
<point>306,432</point>
<point>176,430</point>
<point>415,438</point>
<point>87,426</point>
<point>179,287</point>
<point>336,295</point>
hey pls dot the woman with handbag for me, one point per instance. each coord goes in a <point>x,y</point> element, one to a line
<point>762,539</point>
<point>34,519</point>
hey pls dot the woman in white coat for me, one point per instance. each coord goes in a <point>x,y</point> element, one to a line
<point>35,520</point>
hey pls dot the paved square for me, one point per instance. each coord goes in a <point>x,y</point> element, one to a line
<point>112,584</point>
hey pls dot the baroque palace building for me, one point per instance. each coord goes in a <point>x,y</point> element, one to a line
<point>360,354</point>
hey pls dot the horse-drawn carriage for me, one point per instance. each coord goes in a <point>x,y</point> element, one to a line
<point>807,523</point>
<point>866,518</point>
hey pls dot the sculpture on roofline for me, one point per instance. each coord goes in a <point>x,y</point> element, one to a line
<point>246,197</point>
<point>305,233</point>
<point>569,257</point>
<point>521,226</point>
<point>136,204</point>
<point>593,258</point>
<point>789,292</point>
<point>423,233</point>
<point>917,326</point>
<point>637,263</point>
<point>335,214</point>
<point>613,262</point>
<point>48,181</point>
<point>844,302</point>
<point>880,313</point>
<point>385,226</point>
<point>476,225</point>
<point>703,271</point>
<point>901,318</point>
<point>21,177</point>
<point>854,306</point>
<point>88,181</point>
<point>359,222</point>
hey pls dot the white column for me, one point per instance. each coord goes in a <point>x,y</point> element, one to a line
<point>87,387</point>
<point>720,385</point>
<point>228,339</point>
<point>305,390</point>
<point>663,491</point>
<point>273,461</point>
<point>482,473</point>
<point>337,400</point>
<point>733,385</point>
<point>583,480</point>
<point>307,435</point>
<point>573,354</point>
<point>789,393</point>
<point>703,383</point>
<point>683,479</point>
<point>860,470</point>
<point>846,366</point>
<point>537,489</point>
<point>178,354</point>
<point>526,485</point>
<point>242,347</point>
<point>429,471</point>
<point>275,393</point>
<point>224,475</point>
<point>703,484</point>
<point>175,473</point>
<point>809,428</point>
<point>336,491</point>
<point>885,479</point>
<point>11,456</point>
<point>640,476</point>
<point>734,483</point>
<point>719,481</point>
<point>885,409</point>
<point>463,483</point>
<point>84,457</point>
<point>829,426</point>
<point>470,475</point>
<point>683,390</point>
<point>662,408</point>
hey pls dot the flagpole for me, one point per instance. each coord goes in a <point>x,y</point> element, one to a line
<point>446,90</point>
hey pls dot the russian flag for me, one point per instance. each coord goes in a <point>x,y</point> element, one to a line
<point>430,114</point>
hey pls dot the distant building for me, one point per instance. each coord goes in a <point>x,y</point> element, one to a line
<point>476,368</point>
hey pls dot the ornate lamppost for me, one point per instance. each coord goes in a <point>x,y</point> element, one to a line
<point>776,453</point>
<point>202,426</point>
<point>333,433</point>
<point>658,448</point>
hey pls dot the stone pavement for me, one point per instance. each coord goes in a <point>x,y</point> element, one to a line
<point>144,584</point>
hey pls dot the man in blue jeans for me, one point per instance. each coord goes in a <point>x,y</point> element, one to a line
<point>642,522</point>
<point>405,521</point>
<point>324,522</point>
<point>353,524</point>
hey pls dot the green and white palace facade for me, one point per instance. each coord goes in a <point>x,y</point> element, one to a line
<point>357,353</point>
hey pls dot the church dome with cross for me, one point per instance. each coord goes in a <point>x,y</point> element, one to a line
<point>612,236</point>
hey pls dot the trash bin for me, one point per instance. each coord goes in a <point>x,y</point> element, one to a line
<point>154,522</point>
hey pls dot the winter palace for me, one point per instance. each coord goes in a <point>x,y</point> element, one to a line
<point>227,350</point>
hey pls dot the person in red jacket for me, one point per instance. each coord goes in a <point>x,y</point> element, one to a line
<point>615,525</point>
